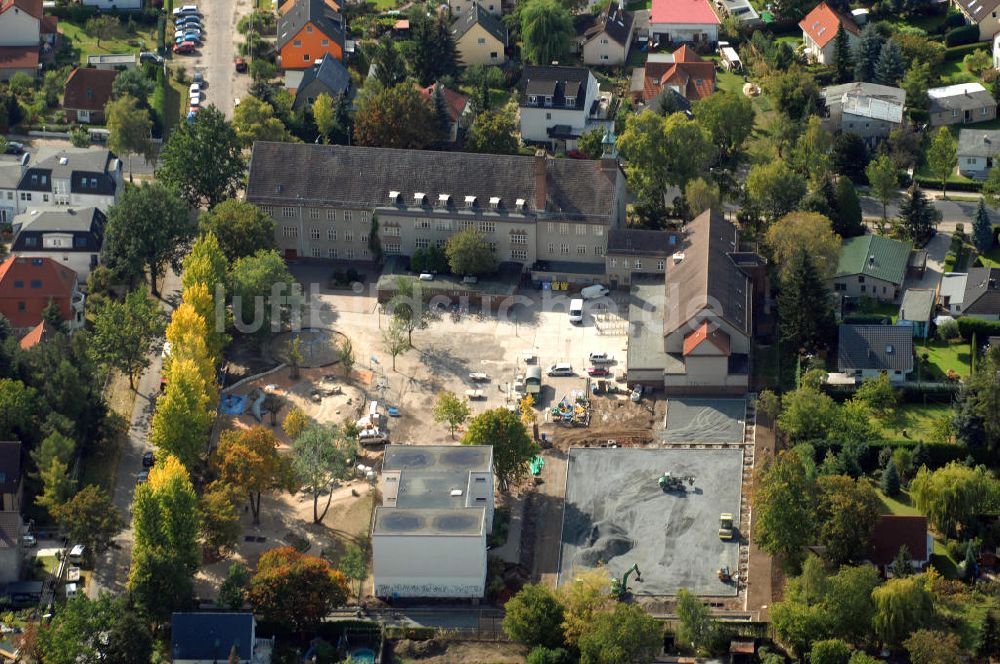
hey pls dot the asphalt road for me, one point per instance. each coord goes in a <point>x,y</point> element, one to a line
<point>215,58</point>
<point>951,211</point>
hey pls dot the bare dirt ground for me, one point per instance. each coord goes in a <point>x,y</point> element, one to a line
<point>613,417</point>
<point>466,652</point>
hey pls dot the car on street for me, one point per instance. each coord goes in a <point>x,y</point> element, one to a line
<point>142,476</point>
<point>188,31</point>
<point>241,66</point>
<point>186,10</point>
<point>199,78</point>
<point>184,47</point>
<point>148,460</point>
<point>13,147</point>
<point>597,371</point>
<point>194,89</point>
<point>561,369</point>
<point>195,102</point>
<point>188,36</point>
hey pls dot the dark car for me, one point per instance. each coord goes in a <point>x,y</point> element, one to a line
<point>142,476</point>
<point>597,371</point>
<point>13,147</point>
<point>241,65</point>
<point>148,460</point>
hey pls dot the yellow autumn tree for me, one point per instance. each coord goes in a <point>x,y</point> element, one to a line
<point>199,297</point>
<point>206,264</point>
<point>188,334</point>
<point>183,415</point>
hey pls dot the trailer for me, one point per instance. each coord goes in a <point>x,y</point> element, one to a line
<point>475,395</point>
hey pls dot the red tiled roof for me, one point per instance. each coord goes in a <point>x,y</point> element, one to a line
<point>34,281</point>
<point>18,57</point>
<point>455,101</point>
<point>33,7</point>
<point>821,24</point>
<point>694,77</point>
<point>704,332</point>
<point>49,25</point>
<point>34,337</point>
<point>892,532</point>
<point>88,89</point>
<point>683,11</point>
<point>401,24</point>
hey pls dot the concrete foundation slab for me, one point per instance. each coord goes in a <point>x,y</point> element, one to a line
<point>691,420</point>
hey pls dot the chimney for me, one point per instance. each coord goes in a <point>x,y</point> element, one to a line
<point>541,173</point>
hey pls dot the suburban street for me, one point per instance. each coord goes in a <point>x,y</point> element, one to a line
<point>215,58</point>
<point>951,210</point>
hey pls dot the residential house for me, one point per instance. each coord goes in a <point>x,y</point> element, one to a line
<point>952,291</point>
<point>462,7</point>
<point>691,333</point>
<point>558,104</point>
<point>37,335</point>
<point>86,93</point>
<point>683,72</point>
<point>10,176</point>
<point>113,61</point>
<point>741,10</point>
<point>962,103</point>
<point>70,236</point>
<point>29,285</point>
<point>916,310</point>
<point>20,36</point>
<point>867,109</point>
<point>11,486</point>
<point>80,177</point>
<point>18,60</point>
<point>819,32</point>
<point>529,208</point>
<point>976,151</point>
<point>307,30</point>
<point>871,266</point>
<point>868,351</point>
<point>893,532</point>
<point>605,39</point>
<point>480,37</point>
<point>207,638</point>
<point>120,5</point>
<point>11,547</point>
<point>633,252</point>
<point>982,13</point>
<point>680,21</point>
<point>456,106</point>
<point>982,293</point>
<point>328,76</point>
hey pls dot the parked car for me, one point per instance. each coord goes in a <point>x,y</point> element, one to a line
<point>199,78</point>
<point>594,292</point>
<point>13,147</point>
<point>372,435</point>
<point>184,47</point>
<point>149,56</point>
<point>241,66</point>
<point>186,10</point>
<point>560,369</point>
<point>148,460</point>
<point>636,395</point>
<point>142,477</point>
<point>187,31</point>
<point>188,20</point>
<point>597,371</point>
<point>426,276</point>
<point>195,102</point>
<point>192,36</point>
<point>601,358</point>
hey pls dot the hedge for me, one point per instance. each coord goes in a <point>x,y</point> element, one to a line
<point>935,183</point>
<point>938,454</point>
<point>77,13</point>
<point>981,328</point>
<point>967,34</point>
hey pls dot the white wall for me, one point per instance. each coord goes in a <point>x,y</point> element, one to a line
<point>429,566</point>
<point>18,28</point>
<point>686,32</point>
<point>974,166</point>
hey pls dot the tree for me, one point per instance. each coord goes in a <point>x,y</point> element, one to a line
<point>584,598</point>
<point>19,409</point>
<point>884,179</point>
<point>591,143</point>
<point>265,295</point>
<point>695,627</point>
<point>867,50</point>
<point>407,306</point>
<point>451,409</point>
<point>390,70</point>
<point>129,129</point>
<point>917,216</point>
<point>978,61</point>
<point>989,646</point>
<point>800,233</point>
<point>829,651</point>
<point>294,589</point>
<point>220,518</point>
<point>241,228</point>
<point>469,253</point>
<point>206,264</point>
<point>701,195</point>
<point>806,314</point>
<point>203,159</point>
<point>729,119</point>
<point>811,153</point>
<point>891,65</point>
<point>331,117</point>
<point>798,625</point>
<point>784,519</point>
<point>848,219</point>
<point>917,80</point>
<point>146,230</point>
<point>232,592</point>
<point>849,156</point>
<point>124,333</point>
<point>494,132</point>
<point>626,634</point>
<point>323,454</point>
<point>345,355</point>
<point>104,629</point>
<point>89,518</point>
<point>396,117</point>
<point>433,52</point>
<point>902,606</point>
<point>842,61</point>
<point>546,31</point>
<point>942,157</point>
<point>806,414</point>
<point>847,512</point>
<point>774,188</point>
<point>248,460</point>
<point>102,26</point>
<point>78,138</point>
<point>982,229</point>
<point>890,480</point>
<point>951,496</point>
<point>395,340</point>
<point>848,603</point>
<point>354,566</point>
<point>188,335</point>
<point>513,448</point>
<point>254,120</point>
<point>57,485</point>
<point>793,90</point>
<point>927,646</point>
<point>534,617</point>
<point>132,83</point>
<point>165,554</point>
<point>543,655</point>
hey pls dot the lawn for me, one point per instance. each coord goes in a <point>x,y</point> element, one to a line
<point>942,356</point>
<point>901,505</point>
<point>991,258</point>
<point>81,44</point>
<point>943,562</point>
<point>175,110</point>
<point>912,421</point>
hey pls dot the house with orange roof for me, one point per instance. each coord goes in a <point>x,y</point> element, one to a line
<point>29,285</point>
<point>819,32</point>
<point>684,21</point>
<point>308,30</point>
<point>682,71</point>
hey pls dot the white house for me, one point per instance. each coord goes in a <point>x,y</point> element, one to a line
<point>977,151</point>
<point>868,351</point>
<point>10,176</point>
<point>819,32</point>
<point>681,21</point>
<point>952,291</point>
<point>20,22</point>
<point>80,177</point>
<point>67,235</point>
<point>557,103</point>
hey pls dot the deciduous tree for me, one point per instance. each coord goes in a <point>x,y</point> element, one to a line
<point>775,189</point>
<point>204,159</point>
<point>255,120</point>
<point>784,519</point>
<point>206,264</point>
<point>450,409</point>
<point>513,448</point>
<point>89,518</point>
<point>695,627</point>
<point>534,617</point>
<point>396,118</point>
<point>546,31</point>
<point>626,634</point>
<point>322,454</point>
<point>584,597</point>
<point>129,129</point>
<point>729,119</point>
<point>242,229</point>
<point>265,295</point>
<point>942,156</point>
<point>803,232</point>
<point>494,132</point>
<point>701,195</point>
<point>124,333</point>
<point>469,253</point>
<point>294,589</point>
<point>249,461</point>
<point>395,340</point>
<point>332,118</point>
<point>847,512</point>
<point>232,592</point>
<point>927,646</point>
<point>902,606</point>
<point>884,180</point>
<point>951,496</point>
<point>104,629</point>
<point>220,518</point>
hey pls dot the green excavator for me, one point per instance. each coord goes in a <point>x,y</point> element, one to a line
<point>671,483</point>
<point>619,588</point>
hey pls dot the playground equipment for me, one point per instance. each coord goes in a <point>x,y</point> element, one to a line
<point>670,482</point>
<point>725,526</point>
<point>572,412</point>
<point>619,588</point>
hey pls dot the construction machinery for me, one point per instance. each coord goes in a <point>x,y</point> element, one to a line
<point>671,483</point>
<point>724,574</point>
<point>726,526</point>
<point>619,587</point>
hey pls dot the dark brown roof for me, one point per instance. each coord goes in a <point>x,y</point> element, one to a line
<point>10,529</point>
<point>640,242</point>
<point>982,291</point>
<point>614,21</point>
<point>10,465</point>
<point>88,89</point>
<point>892,531</point>
<point>18,57</point>
<point>33,7</point>
<point>706,277</point>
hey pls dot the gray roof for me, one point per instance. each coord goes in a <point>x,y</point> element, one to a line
<point>645,330</point>
<point>917,304</point>
<point>79,165</point>
<point>556,82</point>
<point>446,458</point>
<point>317,12</point>
<point>982,292</point>
<point>960,96</point>
<point>978,9</point>
<point>877,347</point>
<point>84,223</point>
<point>10,175</point>
<point>978,142</point>
<point>361,177</point>
<point>478,15</point>
<point>874,90</point>
<point>10,529</point>
<point>328,76</point>
<point>10,466</point>
<point>211,636</point>
<point>640,242</point>
<point>613,21</point>
<point>395,521</point>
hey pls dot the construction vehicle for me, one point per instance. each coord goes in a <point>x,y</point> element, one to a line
<point>725,526</point>
<point>671,483</point>
<point>724,574</point>
<point>619,588</point>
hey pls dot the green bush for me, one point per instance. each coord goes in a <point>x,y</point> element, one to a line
<point>954,19</point>
<point>938,454</point>
<point>981,328</point>
<point>541,655</point>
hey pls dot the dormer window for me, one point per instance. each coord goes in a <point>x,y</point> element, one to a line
<point>548,100</point>
<point>495,203</point>
<point>521,205</point>
<point>395,197</point>
<point>532,99</point>
<point>444,200</point>
<point>420,199</point>
<point>571,101</point>
<point>470,202</point>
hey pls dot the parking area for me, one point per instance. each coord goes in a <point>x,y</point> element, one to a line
<point>691,420</point>
<point>617,514</point>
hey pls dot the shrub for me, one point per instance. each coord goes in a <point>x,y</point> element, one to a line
<point>967,34</point>
<point>948,331</point>
<point>981,328</point>
<point>954,19</point>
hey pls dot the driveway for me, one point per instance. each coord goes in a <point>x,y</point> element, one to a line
<point>936,250</point>
<point>215,58</point>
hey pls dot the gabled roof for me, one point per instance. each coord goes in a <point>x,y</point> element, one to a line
<point>81,166</point>
<point>613,21</point>
<point>977,10</point>
<point>10,531</point>
<point>959,97</point>
<point>49,25</point>
<point>34,278</point>
<point>982,291</point>
<point>88,89</point>
<point>683,69</point>
<point>455,102</point>
<point>211,636</point>
<point>707,333</point>
<point>10,466</point>
<point>917,304</point>
<point>683,11</point>
<point>822,23</point>
<point>330,73</point>
<point>32,7</point>
<point>876,347</point>
<point>86,225</point>
<point>477,15</point>
<point>704,276</point>
<point>34,337</point>
<point>641,242</point>
<point>18,57</point>
<point>892,532</point>
<point>319,13</point>
<point>874,256</point>
<point>978,142</point>
<point>556,82</point>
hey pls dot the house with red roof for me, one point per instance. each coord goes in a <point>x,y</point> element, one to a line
<point>87,92</point>
<point>892,532</point>
<point>682,71</point>
<point>456,105</point>
<point>20,35</point>
<point>819,32</point>
<point>29,285</point>
<point>684,21</point>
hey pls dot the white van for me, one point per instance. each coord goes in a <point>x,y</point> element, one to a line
<point>560,369</point>
<point>576,311</point>
<point>594,292</point>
